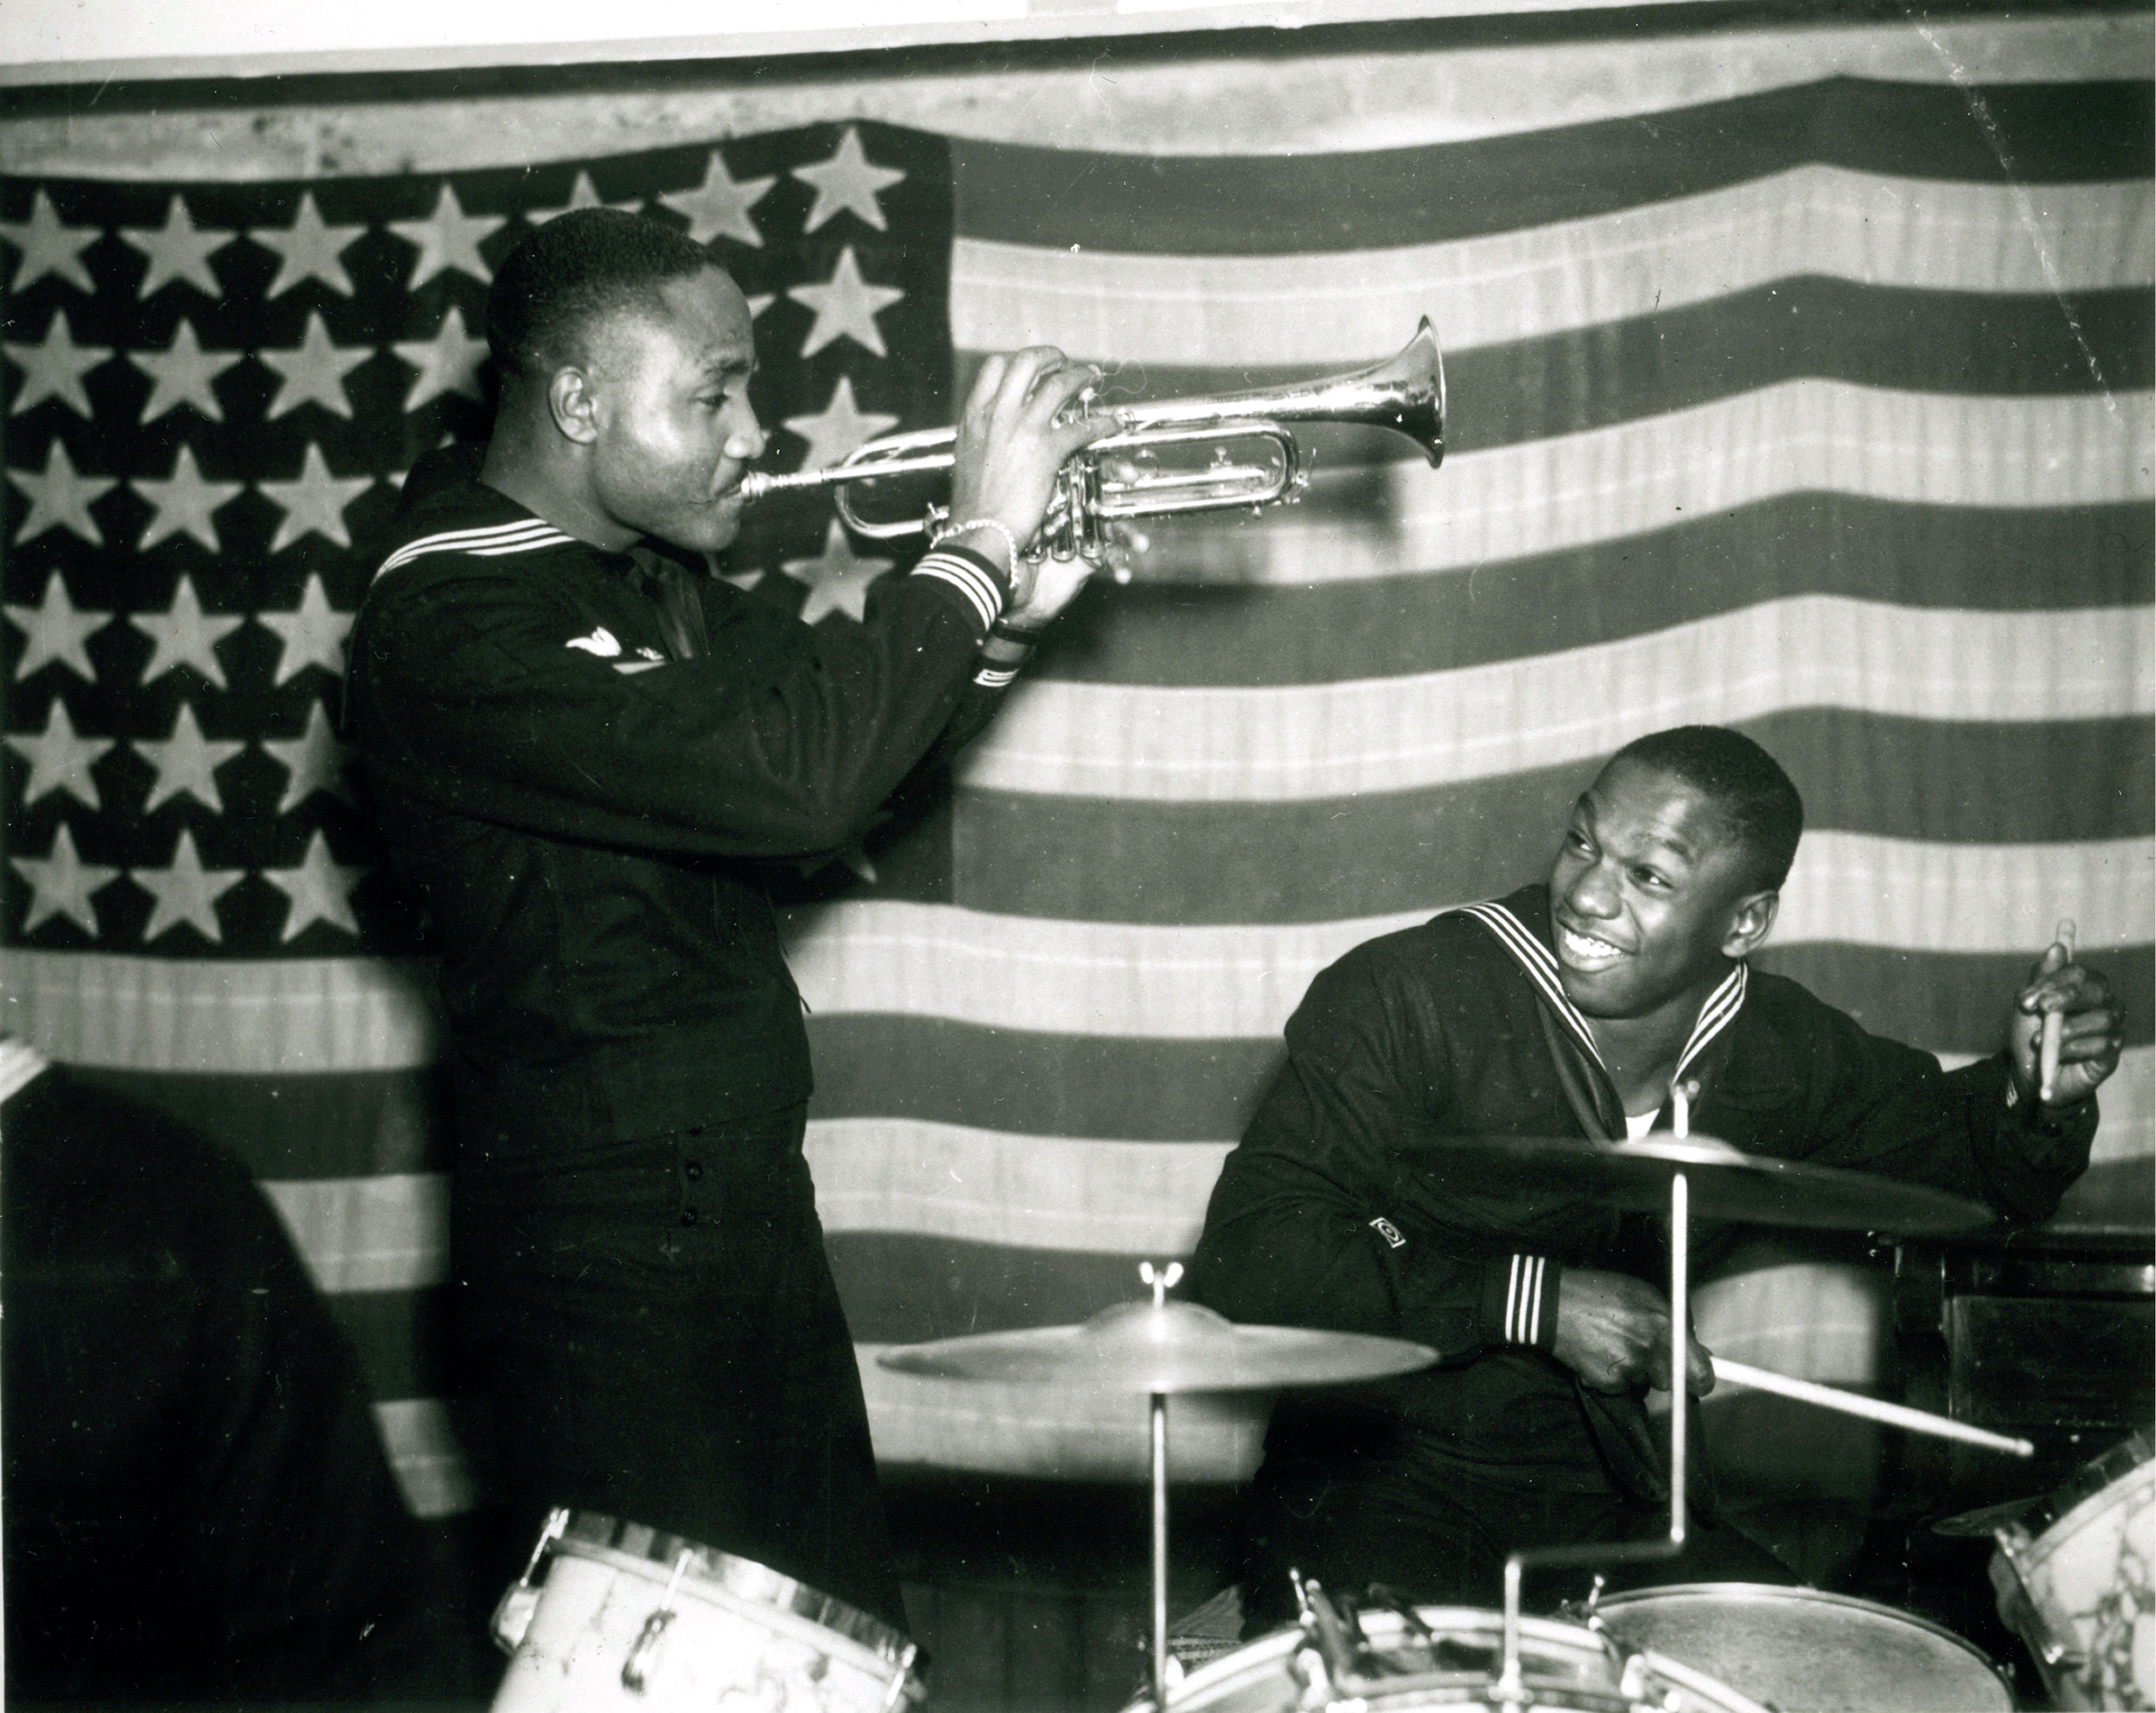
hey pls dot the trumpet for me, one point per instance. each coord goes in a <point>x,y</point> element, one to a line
<point>1119,476</point>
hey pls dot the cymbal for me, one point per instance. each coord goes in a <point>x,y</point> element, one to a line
<point>1986,1519</point>
<point>1725,1183</point>
<point>1169,1347</point>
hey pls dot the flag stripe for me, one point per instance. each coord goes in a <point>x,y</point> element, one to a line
<point>1187,982</point>
<point>1320,860</point>
<point>405,1340</point>
<point>1083,859</point>
<point>1285,744</point>
<point>423,1448</point>
<point>1353,200</point>
<point>1632,480</point>
<point>268,1017</point>
<point>1870,236</point>
<point>1979,558</point>
<point>970,1225</point>
<point>298,1127</point>
<point>1612,371</point>
<point>385,1231</point>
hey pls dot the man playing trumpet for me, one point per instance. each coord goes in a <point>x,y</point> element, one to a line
<point>578,753</point>
<point>1574,1007</point>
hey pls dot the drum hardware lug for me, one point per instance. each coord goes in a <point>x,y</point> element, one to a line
<point>636,1670</point>
<point>894,1691</point>
<point>513,1612</point>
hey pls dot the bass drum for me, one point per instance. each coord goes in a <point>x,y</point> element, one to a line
<point>1805,1652</point>
<point>629,1617</point>
<point>1450,1657</point>
<point>2082,1592</point>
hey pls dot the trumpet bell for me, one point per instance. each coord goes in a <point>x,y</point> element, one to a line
<point>1404,394</point>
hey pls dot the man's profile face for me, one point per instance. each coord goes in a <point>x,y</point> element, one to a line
<point>675,429</point>
<point>1642,897</point>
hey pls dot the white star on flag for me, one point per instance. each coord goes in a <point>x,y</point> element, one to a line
<point>48,247</point>
<point>181,373</point>
<point>719,207</point>
<point>584,194</point>
<point>177,251</point>
<point>320,890</point>
<point>314,761</point>
<point>838,579</point>
<point>184,502</point>
<point>841,427</point>
<point>53,368</point>
<point>186,635</point>
<point>846,308</point>
<point>314,370</point>
<point>314,501</point>
<point>448,362</point>
<point>848,180</point>
<point>61,883</point>
<point>54,631</point>
<point>308,250</point>
<point>186,892</point>
<point>59,761</point>
<point>60,499</point>
<point>187,763</point>
<point>448,238</point>
<point>314,633</point>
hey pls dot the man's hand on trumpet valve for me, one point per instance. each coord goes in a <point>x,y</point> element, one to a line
<point>1011,442</point>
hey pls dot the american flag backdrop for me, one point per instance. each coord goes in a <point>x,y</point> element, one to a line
<point>1813,397</point>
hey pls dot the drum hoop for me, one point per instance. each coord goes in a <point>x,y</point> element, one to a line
<point>592,1536</point>
<point>1776,1593</point>
<point>2122,1490</point>
<point>1554,1634</point>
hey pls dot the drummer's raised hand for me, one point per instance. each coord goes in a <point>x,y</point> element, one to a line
<point>1012,439</point>
<point>2093,1027</point>
<point>1613,1330</point>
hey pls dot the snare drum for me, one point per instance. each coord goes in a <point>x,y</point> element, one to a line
<point>1450,1657</point>
<point>1807,1652</point>
<point>629,1617</point>
<point>2082,1593</point>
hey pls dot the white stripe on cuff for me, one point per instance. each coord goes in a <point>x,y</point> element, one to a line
<point>1524,1299</point>
<point>969,579</point>
<point>996,677</point>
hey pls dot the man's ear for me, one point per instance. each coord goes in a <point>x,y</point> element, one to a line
<point>1749,924</point>
<point>573,404</point>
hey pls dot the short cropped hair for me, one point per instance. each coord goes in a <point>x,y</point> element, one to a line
<point>1764,811</point>
<point>571,272</point>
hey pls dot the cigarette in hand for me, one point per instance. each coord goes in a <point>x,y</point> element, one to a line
<point>2055,1027</point>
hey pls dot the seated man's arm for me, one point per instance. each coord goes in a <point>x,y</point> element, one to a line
<point>1312,1223</point>
<point>1980,1131</point>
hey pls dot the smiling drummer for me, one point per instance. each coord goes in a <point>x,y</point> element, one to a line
<point>1573,1008</point>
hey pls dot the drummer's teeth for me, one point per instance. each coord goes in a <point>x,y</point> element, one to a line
<point>1586,945</point>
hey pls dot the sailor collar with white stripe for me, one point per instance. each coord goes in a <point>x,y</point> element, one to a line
<point>1540,962</point>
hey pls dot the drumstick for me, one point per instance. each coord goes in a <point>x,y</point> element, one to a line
<point>1811,1392</point>
<point>2054,1025</point>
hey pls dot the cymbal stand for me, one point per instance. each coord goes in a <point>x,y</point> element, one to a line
<point>1511,1687</point>
<point>1160,1278</point>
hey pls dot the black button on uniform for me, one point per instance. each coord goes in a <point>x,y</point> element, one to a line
<point>688,1215</point>
<point>694,1171</point>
